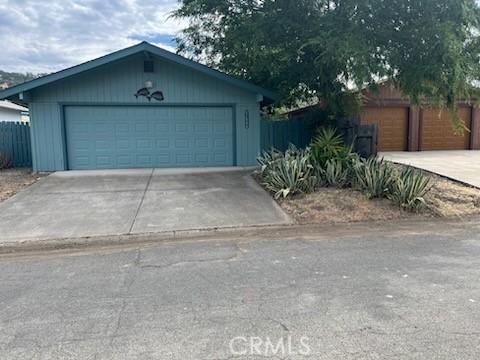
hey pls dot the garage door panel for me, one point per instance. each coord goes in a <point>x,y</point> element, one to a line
<point>104,161</point>
<point>163,143</point>
<point>392,124</point>
<point>83,161</point>
<point>183,158</point>
<point>219,143</point>
<point>123,137</point>
<point>122,128</point>
<point>144,160</point>
<point>122,144</point>
<point>219,157</point>
<point>437,133</point>
<point>182,128</point>
<point>163,159</point>
<point>144,144</point>
<point>141,127</point>
<point>162,127</point>
<point>202,158</point>
<point>201,143</point>
<point>221,129</point>
<point>124,160</point>
<point>202,128</point>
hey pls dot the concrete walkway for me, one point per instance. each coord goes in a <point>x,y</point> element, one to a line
<point>460,165</point>
<point>116,202</point>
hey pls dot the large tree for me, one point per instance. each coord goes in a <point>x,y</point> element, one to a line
<point>322,49</point>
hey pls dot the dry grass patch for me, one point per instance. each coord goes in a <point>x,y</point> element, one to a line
<point>14,180</point>
<point>451,198</point>
<point>331,205</point>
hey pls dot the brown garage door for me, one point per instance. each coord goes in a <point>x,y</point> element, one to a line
<point>436,132</point>
<point>392,126</point>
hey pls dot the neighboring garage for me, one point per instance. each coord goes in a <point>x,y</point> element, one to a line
<point>402,127</point>
<point>392,125</point>
<point>141,107</point>
<point>436,130</point>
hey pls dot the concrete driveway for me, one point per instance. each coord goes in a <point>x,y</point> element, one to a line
<point>460,165</point>
<point>114,202</point>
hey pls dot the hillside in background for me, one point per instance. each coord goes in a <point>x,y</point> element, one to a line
<point>8,79</point>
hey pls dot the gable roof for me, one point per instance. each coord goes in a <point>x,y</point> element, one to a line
<point>135,49</point>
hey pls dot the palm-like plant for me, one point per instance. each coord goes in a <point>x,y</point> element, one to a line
<point>328,145</point>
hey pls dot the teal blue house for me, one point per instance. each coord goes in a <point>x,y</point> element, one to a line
<point>141,107</point>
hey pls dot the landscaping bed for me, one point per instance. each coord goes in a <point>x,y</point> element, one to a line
<point>330,205</point>
<point>446,198</point>
<point>327,182</point>
<point>14,180</point>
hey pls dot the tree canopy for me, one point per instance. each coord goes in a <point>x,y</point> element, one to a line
<point>323,49</point>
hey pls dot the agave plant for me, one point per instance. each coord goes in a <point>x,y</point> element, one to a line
<point>374,177</point>
<point>290,174</point>
<point>409,189</point>
<point>293,151</point>
<point>335,174</point>
<point>267,158</point>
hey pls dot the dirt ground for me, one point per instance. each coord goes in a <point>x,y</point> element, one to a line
<point>331,205</point>
<point>447,198</point>
<point>14,180</point>
<point>451,198</point>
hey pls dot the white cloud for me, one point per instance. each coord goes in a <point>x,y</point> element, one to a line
<point>46,36</point>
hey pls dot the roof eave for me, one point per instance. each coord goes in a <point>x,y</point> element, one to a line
<point>62,74</point>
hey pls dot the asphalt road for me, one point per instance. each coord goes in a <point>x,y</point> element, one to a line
<point>390,295</point>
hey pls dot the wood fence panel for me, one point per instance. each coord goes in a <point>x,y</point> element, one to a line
<point>15,143</point>
<point>279,134</point>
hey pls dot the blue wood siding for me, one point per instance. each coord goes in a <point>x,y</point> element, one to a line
<point>47,137</point>
<point>116,83</point>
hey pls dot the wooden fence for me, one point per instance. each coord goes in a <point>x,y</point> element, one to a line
<point>15,143</point>
<point>279,134</point>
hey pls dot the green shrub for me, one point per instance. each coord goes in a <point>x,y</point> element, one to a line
<point>374,177</point>
<point>409,189</point>
<point>5,161</point>
<point>335,174</point>
<point>328,145</point>
<point>289,175</point>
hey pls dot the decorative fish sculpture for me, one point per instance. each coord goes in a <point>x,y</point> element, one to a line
<point>142,92</point>
<point>157,95</point>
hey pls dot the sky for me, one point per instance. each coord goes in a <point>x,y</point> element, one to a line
<point>42,36</point>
